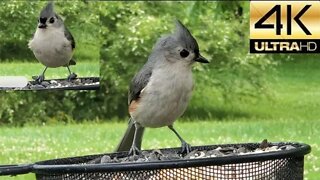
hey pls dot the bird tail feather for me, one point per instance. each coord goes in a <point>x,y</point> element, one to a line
<point>72,62</point>
<point>127,140</point>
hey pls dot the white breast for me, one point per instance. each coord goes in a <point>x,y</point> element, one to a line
<point>51,47</point>
<point>166,96</point>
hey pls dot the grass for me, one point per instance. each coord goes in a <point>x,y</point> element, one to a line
<point>30,144</point>
<point>291,115</point>
<point>27,69</point>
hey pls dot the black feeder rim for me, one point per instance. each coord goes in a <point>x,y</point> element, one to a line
<point>15,169</point>
<point>77,164</point>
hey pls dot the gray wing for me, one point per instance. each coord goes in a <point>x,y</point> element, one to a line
<point>139,81</point>
<point>69,37</point>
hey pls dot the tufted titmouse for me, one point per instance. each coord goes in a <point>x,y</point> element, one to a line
<point>159,93</point>
<point>52,43</point>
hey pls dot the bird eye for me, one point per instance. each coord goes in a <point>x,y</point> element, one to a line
<point>184,53</point>
<point>51,20</point>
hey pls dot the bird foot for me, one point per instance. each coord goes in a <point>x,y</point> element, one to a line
<point>72,76</point>
<point>185,147</point>
<point>134,150</point>
<point>38,79</point>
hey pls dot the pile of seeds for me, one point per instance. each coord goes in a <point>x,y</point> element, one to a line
<point>158,155</point>
<point>87,83</point>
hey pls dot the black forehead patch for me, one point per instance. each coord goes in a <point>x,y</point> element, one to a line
<point>43,20</point>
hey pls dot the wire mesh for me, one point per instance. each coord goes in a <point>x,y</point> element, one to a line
<point>273,166</point>
<point>290,168</point>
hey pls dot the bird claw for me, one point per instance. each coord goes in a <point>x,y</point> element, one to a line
<point>72,76</point>
<point>134,150</point>
<point>38,79</point>
<point>185,148</point>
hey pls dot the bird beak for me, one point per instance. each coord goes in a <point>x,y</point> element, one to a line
<point>42,26</point>
<point>201,59</point>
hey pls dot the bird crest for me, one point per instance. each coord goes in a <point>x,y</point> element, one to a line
<point>183,35</point>
<point>47,11</point>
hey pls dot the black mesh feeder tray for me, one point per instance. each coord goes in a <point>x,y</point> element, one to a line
<point>268,161</point>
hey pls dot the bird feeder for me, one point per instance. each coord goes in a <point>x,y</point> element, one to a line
<point>217,162</point>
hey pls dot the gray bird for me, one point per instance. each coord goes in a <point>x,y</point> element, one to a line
<point>52,43</point>
<point>159,93</point>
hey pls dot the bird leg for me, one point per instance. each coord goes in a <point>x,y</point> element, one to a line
<point>71,75</point>
<point>134,150</point>
<point>40,78</point>
<point>185,147</point>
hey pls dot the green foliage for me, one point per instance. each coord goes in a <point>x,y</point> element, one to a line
<point>35,143</point>
<point>127,32</point>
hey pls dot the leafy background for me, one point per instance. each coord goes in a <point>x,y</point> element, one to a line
<point>121,35</point>
<point>238,97</point>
